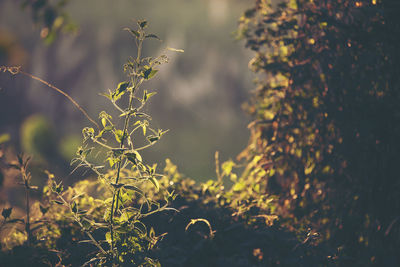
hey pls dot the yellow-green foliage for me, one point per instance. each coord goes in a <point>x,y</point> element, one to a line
<point>325,131</point>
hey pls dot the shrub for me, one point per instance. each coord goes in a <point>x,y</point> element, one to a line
<point>325,134</point>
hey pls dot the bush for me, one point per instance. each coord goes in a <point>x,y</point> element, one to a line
<point>325,134</point>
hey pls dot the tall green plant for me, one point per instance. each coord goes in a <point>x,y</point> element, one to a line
<point>117,142</point>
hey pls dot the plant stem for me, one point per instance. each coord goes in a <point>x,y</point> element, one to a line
<point>27,224</point>
<point>17,70</point>
<point>81,225</point>
<point>25,178</point>
<point>125,132</point>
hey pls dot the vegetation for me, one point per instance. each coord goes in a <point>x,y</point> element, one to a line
<point>326,120</point>
<point>317,185</point>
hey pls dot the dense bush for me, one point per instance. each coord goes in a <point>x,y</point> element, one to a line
<point>327,119</point>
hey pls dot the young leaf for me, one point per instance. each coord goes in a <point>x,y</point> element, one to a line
<point>175,50</point>
<point>134,156</point>
<point>104,122</point>
<point>74,208</point>
<point>147,95</point>
<point>119,135</point>
<point>152,36</point>
<point>155,183</point>
<point>142,23</point>
<point>152,138</point>
<point>121,88</point>
<point>132,187</point>
<point>133,32</point>
<point>149,73</point>
<point>108,237</point>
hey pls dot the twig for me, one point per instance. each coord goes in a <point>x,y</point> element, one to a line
<point>17,70</point>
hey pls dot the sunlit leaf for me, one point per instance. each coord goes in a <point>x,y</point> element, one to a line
<point>133,32</point>
<point>175,50</point>
<point>155,183</point>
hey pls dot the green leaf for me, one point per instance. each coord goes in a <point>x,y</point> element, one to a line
<point>108,237</point>
<point>227,167</point>
<point>155,183</point>
<point>142,23</point>
<point>118,151</point>
<point>6,213</point>
<point>109,96</point>
<point>147,95</point>
<point>112,161</point>
<point>152,36</point>
<point>175,50</point>
<point>104,122</point>
<point>149,73</point>
<point>134,156</point>
<point>119,134</point>
<point>144,127</point>
<point>133,32</point>
<point>88,132</point>
<point>239,186</point>
<point>121,89</point>
<point>74,208</point>
<point>132,187</point>
<point>152,138</point>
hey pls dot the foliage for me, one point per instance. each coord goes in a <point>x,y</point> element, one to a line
<point>325,134</point>
<point>112,220</point>
<point>207,230</point>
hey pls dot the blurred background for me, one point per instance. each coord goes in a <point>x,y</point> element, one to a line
<point>200,92</point>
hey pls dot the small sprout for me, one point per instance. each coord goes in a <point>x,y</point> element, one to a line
<point>142,23</point>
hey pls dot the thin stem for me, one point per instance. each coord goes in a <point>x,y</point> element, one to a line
<point>146,146</point>
<point>125,129</point>
<point>102,144</point>
<point>27,224</point>
<point>25,178</point>
<point>76,218</point>
<point>117,107</point>
<point>17,70</point>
